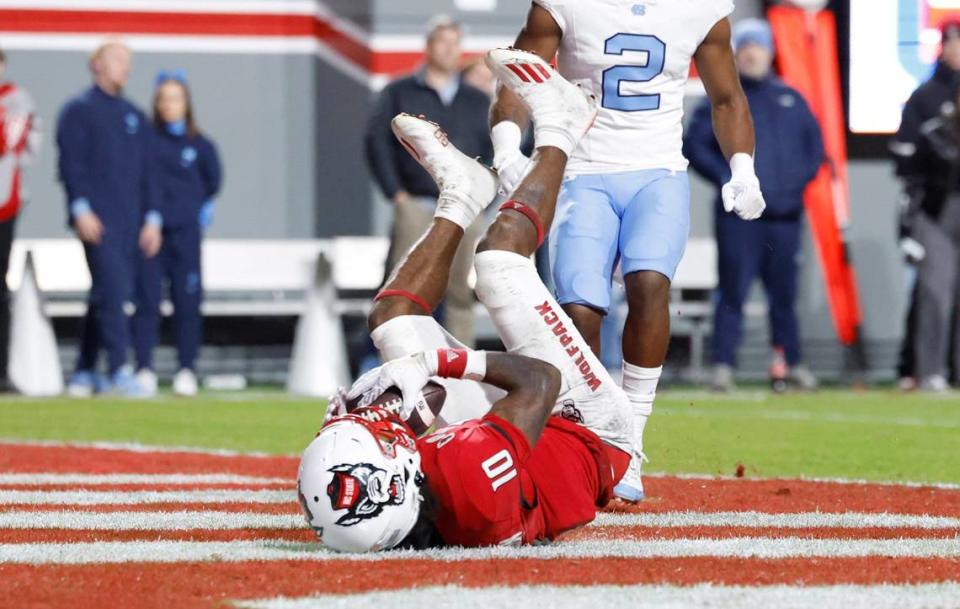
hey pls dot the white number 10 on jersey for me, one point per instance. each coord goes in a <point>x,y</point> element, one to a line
<point>499,468</point>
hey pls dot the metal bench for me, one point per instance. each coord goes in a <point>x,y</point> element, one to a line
<point>270,278</point>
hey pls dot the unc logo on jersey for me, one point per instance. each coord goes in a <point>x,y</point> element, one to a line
<point>188,155</point>
<point>133,122</point>
<point>363,490</point>
<point>640,9</point>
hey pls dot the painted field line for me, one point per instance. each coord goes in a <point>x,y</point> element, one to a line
<point>803,416</point>
<point>184,520</point>
<point>928,596</point>
<point>140,521</point>
<point>805,520</point>
<point>946,486</point>
<point>743,547</point>
<point>105,479</point>
<point>135,497</point>
<point>138,448</point>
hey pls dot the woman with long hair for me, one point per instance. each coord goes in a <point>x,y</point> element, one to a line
<point>189,176</point>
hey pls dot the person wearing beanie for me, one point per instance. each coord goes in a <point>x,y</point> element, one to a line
<point>189,177</point>
<point>789,155</point>
<point>931,100</point>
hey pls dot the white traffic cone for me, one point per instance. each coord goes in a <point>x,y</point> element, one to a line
<point>34,365</point>
<point>318,365</point>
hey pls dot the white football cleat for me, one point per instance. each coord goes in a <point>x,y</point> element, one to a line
<point>148,381</point>
<point>630,487</point>
<point>466,186</point>
<point>185,383</point>
<point>562,112</point>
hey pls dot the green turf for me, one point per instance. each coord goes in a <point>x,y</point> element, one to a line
<point>874,435</point>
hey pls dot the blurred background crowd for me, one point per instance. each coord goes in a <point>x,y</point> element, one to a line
<point>114,122</point>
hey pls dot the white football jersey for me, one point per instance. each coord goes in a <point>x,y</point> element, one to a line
<point>634,55</point>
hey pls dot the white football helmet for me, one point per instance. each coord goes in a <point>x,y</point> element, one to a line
<point>359,482</point>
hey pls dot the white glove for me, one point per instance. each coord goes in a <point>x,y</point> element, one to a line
<point>742,193</point>
<point>511,164</point>
<point>409,374</point>
<point>912,249</point>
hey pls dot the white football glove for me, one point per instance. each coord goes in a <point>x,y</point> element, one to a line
<point>742,193</point>
<point>409,374</point>
<point>912,250</point>
<point>509,162</point>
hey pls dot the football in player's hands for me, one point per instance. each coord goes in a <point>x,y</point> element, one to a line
<point>426,406</point>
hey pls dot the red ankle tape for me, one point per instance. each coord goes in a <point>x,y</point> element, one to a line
<point>530,214</point>
<point>420,302</point>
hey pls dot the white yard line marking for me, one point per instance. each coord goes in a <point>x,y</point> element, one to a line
<point>189,520</point>
<point>804,415</point>
<point>101,479</point>
<point>139,448</point>
<point>741,547</point>
<point>852,520</point>
<point>139,521</point>
<point>137,497</point>
<point>927,596</point>
<point>945,486</point>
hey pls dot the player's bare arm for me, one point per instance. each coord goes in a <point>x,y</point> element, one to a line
<point>732,122</point>
<point>508,116</point>
<point>731,111</point>
<point>532,388</point>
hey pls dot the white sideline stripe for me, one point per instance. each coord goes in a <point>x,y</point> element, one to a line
<point>851,520</point>
<point>153,521</point>
<point>137,497</point>
<point>944,486</point>
<point>803,415</point>
<point>741,547</point>
<point>218,452</point>
<point>103,479</point>
<point>189,520</point>
<point>136,447</point>
<point>924,596</point>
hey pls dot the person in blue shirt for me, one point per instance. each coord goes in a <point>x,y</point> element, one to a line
<point>189,176</point>
<point>105,145</point>
<point>789,155</point>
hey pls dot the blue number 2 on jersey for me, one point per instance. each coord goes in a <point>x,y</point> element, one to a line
<point>656,52</point>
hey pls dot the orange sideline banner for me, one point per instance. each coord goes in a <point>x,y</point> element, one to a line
<point>809,61</point>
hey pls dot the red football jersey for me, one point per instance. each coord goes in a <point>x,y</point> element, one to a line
<point>492,489</point>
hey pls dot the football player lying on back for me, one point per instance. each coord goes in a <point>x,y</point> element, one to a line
<point>543,457</point>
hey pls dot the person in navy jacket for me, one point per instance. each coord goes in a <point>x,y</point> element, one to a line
<point>189,176</point>
<point>789,155</point>
<point>105,145</point>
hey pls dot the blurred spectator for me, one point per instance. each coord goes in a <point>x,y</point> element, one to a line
<point>928,102</point>
<point>188,177</point>
<point>479,76</point>
<point>789,154</point>
<point>19,140</point>
<point>437,92</point>
<point>934,174</point>
<point>113,206</point>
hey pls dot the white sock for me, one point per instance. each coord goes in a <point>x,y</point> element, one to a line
<point>640,385</point>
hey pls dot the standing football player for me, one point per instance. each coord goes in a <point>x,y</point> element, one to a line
<point>626,196</point>
<point>514,473</point>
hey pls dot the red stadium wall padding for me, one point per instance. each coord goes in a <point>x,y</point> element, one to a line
<point>808,59</point>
